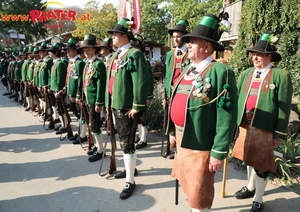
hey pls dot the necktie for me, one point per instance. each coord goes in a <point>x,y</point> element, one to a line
<point>258,73</point>
<point>179,52</point>
<point>192,70</point>
<point>118,53</point>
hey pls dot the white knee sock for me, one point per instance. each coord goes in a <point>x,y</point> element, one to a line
<point>261,184</point>
<point>140,130</point>
<point>202,210</point>
<point>28,99</point>
<point>41,105</point>
<point>83,129</point>
<point>62,121</point>
<point>130,163</point>
<point>143,134</point>
<point>98,142</point>
<point>251,178</point>
<point>55,114</point>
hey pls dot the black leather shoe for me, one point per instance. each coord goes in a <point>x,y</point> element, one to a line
<point>141,144</point>
<point>73,137</point>
<point>61,131</point>
<point>244,193</point>
<point>6,94</point>
<point>96,156</point>
<point>256,207</point>
<point>127,190</point>
<point>122,174</point>
<point>11,96</point>
<point>92,150</point>
<point>27,109</point>
<point>84,139</point>
<point>56,121</point>
<point>170,155</point>
<point>57,128</point>
<point>137,139</point>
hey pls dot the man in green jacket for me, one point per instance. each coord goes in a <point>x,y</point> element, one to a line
<point>176,60</point>
<point>264,105</point>
<point>57,83</point>
<point>141,140</point>
<point>202,115</point>
<point>3,72</point>
<point>25,66</point>
<point>44,73</point>
<point>17,76</point>
<point>74,72</point>
<point>91,89</point>
<point>126,95</point>
<point>106,51</point>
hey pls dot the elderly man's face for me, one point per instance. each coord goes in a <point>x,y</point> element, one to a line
<point>119,39</point>
<point>177,35</point>
<point>198,49</point>
<point>261,60</point>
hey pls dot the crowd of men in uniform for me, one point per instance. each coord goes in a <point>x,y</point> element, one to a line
<point>206,106</point>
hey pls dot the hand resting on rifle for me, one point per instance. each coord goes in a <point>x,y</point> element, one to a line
<point>131,113</point>
<point>215,164</point>
<point>98,109</point>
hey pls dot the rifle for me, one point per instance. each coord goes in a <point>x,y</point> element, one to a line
<point>112,165</point>
<point>223,193</point>
<point>31,97</point>
<point>287,157</point>
<point>16,91</point>
<point>86,117</point>
<point>49,110</point>
<point>64,107</point>
<point>37,100</point>
<point>167,152</point>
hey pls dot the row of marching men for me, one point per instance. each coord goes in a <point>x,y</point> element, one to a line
<point>44,82</point>
<point>41,80</point>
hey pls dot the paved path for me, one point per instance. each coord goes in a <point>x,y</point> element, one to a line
<point>40,173</point>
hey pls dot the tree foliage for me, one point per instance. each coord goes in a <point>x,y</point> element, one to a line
<point>193,10</point>
<point>31,30</point>
<point>102,19</point>
<point>155,21</point>
<point>281,17</point>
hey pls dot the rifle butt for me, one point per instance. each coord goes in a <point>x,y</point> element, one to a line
<point>223,193</point>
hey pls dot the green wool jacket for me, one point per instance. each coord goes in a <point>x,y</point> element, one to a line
<point>24,69</point>
<point>58,76</point>
<point>3,67</point>
<point>95,91</point>
<point>76,71</point>
<point>131,81</point>
<point>17,70</point>
<point>208,126</point>
<point>36,73</point>
<point>273,105</point>
<point>170,66</point>
<point>10,73</point>
<point>29,75</point>
<point>45,71</point>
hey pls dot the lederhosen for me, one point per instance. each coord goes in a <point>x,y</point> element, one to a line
<point>254,145</point>
<point>125,126</point>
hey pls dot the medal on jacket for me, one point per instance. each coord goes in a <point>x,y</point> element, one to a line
<point>118,63</point>
<point>90,74</point>
<point>202,88</point>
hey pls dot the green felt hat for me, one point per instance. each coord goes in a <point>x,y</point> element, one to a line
<point>182,26</point>
<point>207,29</point>
<point>72,43</point>
<point>264,46</point>
<point>124,26</point>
